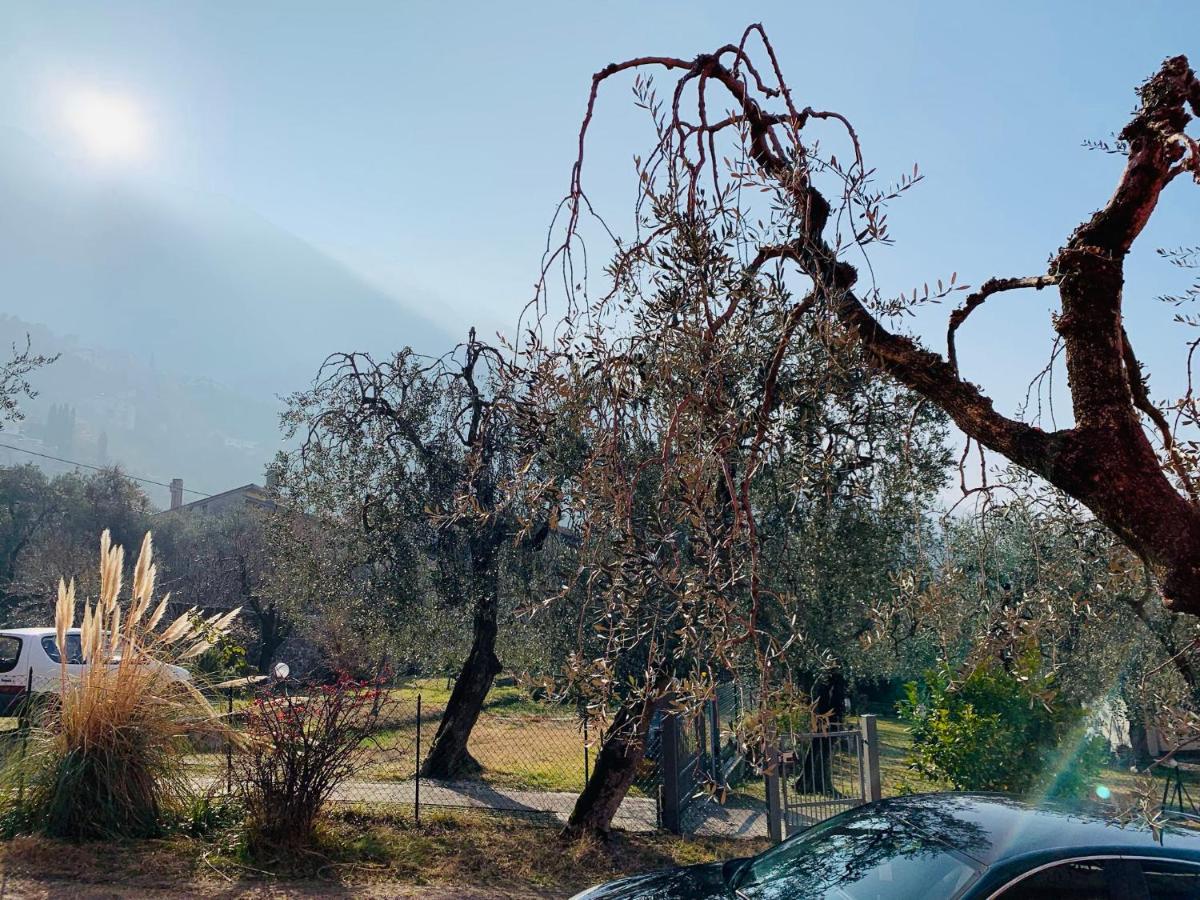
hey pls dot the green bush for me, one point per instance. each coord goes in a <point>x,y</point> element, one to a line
<point>1000,730</point>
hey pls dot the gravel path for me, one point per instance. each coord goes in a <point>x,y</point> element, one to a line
<point>635,813</point>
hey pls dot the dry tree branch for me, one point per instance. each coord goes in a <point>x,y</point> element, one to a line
<point>976,299</point>
<point>1105,460</point>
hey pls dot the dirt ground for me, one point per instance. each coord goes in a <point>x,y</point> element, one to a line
<point>20,888</point>
<point>35,868</point>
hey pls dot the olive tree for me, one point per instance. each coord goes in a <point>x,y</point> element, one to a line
<point>796,181</point>
<point>700,445</point>
<point>411,452</point>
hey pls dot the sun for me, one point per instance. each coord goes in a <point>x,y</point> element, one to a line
<point>111,127</point>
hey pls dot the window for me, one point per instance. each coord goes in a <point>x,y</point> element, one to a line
<point>1171,880</point>
<point>1086,879</point>
<point>74,649</point>
<point>863,857</point>
<point>10,652</point>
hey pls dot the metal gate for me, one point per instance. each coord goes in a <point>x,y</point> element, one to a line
<point>821,774</point>
<point>691,762</point>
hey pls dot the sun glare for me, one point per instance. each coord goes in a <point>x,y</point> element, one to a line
<point>111,127</point>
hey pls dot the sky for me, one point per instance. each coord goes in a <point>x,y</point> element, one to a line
<point>426,144</point>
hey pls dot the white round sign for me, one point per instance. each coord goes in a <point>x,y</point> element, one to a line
<point>281,671</point>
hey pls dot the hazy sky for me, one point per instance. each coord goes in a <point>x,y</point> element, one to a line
<point>425,144</point>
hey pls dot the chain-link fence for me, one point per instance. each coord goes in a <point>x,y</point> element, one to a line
<point>528,757</point>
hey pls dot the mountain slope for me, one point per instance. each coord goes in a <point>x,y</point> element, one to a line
<point>209,289</point>
<point>152,423</point>
<point>182,319</point>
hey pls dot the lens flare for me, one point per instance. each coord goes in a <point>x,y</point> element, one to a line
<point>1103,792</point>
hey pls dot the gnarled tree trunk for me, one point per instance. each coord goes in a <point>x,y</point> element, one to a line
<point>448,755</point>
<point>621,753</point>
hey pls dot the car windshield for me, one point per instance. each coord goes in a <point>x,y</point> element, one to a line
<point>862,855</point>
<point>74,649</point>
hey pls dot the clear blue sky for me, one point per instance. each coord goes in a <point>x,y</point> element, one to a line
<point>425,144</point>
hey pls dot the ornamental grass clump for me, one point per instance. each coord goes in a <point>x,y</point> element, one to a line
<point>107,759</point>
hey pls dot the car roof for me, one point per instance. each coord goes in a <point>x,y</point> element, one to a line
<point>34,632</point>
<point>992,828</point>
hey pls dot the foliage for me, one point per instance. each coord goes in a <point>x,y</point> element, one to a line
<point>226,560</point>
<point>999,730</point>
<point>801,200</point>
<point>225,659</point>
<point>298,749</point>
<point>108,759</point>
<point>14,379</point>
<point>48,525</point>
<point>740,501</point>
<point>401,466</point>
<point>1033,568</point>
<point>209,814</point>
<point>738,483</point>
<point>405,457</point>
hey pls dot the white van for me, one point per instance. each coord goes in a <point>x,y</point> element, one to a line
<point>30,656</point>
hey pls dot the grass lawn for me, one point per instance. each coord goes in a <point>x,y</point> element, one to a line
<point>447,856</point>
<point>522,744</point>
<point>895,775</point>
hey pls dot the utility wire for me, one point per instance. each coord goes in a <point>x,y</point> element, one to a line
<point>72,462</point>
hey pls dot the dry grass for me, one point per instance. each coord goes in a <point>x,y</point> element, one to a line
<point>107,758</point>
<point>474,856</point>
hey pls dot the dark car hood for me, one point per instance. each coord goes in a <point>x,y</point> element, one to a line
<point>687,883</point>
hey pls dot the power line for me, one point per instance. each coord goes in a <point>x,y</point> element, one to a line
<point>82,465</point>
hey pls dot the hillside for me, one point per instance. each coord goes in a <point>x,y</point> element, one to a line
<point>127,411</point>
<point>182,317</point>
<point>207,288</point>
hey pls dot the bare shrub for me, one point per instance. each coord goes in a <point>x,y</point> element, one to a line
<point>298,750</point>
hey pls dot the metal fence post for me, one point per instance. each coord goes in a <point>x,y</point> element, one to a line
<point>870,739</point>
<point>229,746</point>
<point>715,726</point>
<point>417,795</point>
<point>774,801</point>
<point>586,758</point>
<point>25,722</point>
<point>669,752</point>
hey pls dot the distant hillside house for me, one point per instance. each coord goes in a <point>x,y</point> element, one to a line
<point>248,496</point>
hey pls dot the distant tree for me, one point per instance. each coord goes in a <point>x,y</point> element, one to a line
<point>15,385</point>
<point>349,598</point>
<point>223,561</point>
<point>734,134</point>
<point>414,451</point>
<point>29,507</point>
<point>48,528</point>
<point>59,430</point>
